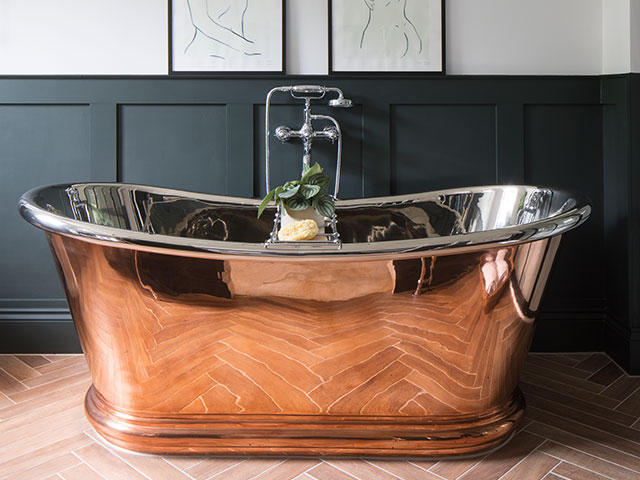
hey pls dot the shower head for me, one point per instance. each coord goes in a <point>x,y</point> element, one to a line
<point>341,102</point>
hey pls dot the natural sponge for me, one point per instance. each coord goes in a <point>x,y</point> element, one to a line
<point>300,230</point>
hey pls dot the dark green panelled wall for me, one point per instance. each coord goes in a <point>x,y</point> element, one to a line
<point>402,135</point>
<point>621,181</point>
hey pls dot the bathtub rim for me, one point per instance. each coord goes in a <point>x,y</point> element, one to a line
<point>202,248</point>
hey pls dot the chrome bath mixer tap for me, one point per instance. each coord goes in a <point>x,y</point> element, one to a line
<point>307,133</point>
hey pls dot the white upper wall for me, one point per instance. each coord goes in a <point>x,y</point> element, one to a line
<point>512,37</point>
<point>616,36</point>
<point>307,37</point>
<point>635,35</point>
<point>537,37</point>
<point>58,37</point>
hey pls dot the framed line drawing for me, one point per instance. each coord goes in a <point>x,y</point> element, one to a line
<point>386,36</point>
<point>226,36</point>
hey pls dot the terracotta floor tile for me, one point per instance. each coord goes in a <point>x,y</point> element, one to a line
<point>501,461</point>
<point>33,360</point>
<point>558,358</point>
<point>577,356</point>
<point>588,462</point>
<point>56,357</point>
<point>31,435</point>
<point>606,375</point>
<point>63,383</point>
<point>582,417</point>
<point>617,416</point>
<point>107,464</point>
<point>153,467</point>
<point>551,476</point>
<point>16,368</point>
<point>80,472</point>
<point>248,469</point>
<point>631,405</point>
<point>288,469</point>
<point>185,462</point>
<point>66,362</point>
<point>567,389</point>
<point>51,410</point>
<point>28,444</point>
<point>452,469</point>
<point>48,377</point>
<point>557,367</point>
<point>212,466</point>
<point>573,472</point>
<point>613,441</point>
<point>49,452</point>
<point>533,467</point>
<point>404,470</point>
<point>586,445</point>
<point>325,471</point>
<point>564,378</point>
<point>594,362</point>
<point>51,397</point>
<point>360,469</point>
<point>5,401</point>
<point>46,469</point>
<point>10,386</point>
<point>622,387</point>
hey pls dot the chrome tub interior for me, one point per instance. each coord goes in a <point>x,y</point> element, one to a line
<point>406,224</point>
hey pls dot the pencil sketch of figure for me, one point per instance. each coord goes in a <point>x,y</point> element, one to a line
<point>389,29</point>
<point>219,28</point>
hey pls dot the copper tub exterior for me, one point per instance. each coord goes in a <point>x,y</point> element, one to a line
<point>205,352</point>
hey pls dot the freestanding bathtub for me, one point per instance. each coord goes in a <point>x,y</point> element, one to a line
<point>407,340</point>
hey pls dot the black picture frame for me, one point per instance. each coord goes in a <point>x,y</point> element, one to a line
<point>331,55</point>
<point>212,72</point>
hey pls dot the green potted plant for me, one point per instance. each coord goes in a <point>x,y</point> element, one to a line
<point>309,195</point>
<point>304,199</point>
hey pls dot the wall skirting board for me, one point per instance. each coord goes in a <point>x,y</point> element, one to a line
<point>402,135</point>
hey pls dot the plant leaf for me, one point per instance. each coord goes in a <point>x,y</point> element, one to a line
<point>324,205</point>
<point>265,201</point>
<point>291,184</point>
<point>290,192</point>
<point>316,169</point>
<point>318,179</point>
<point>297,203</point>
<point>309,191</point>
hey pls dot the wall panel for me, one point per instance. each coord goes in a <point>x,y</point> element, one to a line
<point>563,148</point>
<point>176,146</point>
<point>442,146</point>
<point>39,144</point>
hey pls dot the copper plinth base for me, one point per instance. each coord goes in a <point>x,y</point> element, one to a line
<point>306,435</point>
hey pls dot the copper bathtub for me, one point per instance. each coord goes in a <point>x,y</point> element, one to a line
<point>407,340</point>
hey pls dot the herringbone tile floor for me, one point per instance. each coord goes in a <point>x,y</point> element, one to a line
<point>583,423</point>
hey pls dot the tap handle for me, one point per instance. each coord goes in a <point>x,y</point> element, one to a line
<point>283,133</point>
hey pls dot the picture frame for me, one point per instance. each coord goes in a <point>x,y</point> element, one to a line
<point>226,37</point>
<point>390,37</point>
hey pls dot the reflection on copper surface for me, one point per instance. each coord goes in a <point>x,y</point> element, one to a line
<point>495,270</point>
<point>228,356</point>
